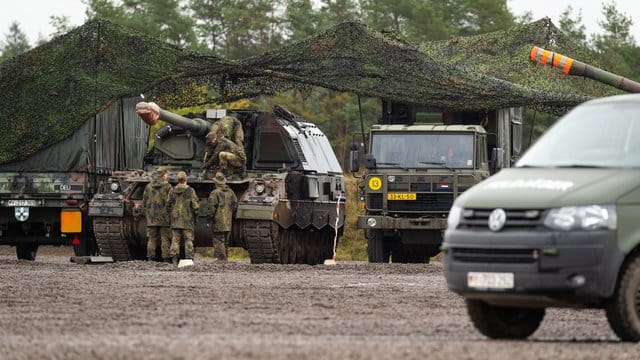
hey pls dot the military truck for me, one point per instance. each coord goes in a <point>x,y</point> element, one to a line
<point>290,201</point>
<point>44,199</point>
<point>559,229</point>
<point>414,171</point>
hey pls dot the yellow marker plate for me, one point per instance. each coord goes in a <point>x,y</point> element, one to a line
<point>375,183</point>
<point>401,196</point>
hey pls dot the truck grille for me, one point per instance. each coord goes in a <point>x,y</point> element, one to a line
<point>511,256</point>
<point>478,218</point>
<point>424,202</point>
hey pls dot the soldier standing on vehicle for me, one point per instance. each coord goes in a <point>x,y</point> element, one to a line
<point>224,155</point>
<point>183,206</point>
<point>222,204</point>
<point>154,202</point>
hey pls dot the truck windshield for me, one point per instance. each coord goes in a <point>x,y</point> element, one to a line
<point>422,150</point>
<point>592,135</point>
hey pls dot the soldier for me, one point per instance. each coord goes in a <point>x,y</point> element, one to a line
<point>222,205</point>
<point>224,155</point>
<point>183,206</point>
<point>231,128</point>
<point>154,202</point>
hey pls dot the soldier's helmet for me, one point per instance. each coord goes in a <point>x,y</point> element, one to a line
<point>161,170</point>
<point>182,177</point>
<point>219,179</point>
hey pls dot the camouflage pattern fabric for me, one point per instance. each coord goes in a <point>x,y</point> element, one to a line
<point>90,67</point>
<point>231,128</point>
<point>225,155</point>
<point>222,203</point>
<point>185,236</point>
<point>154,202</point>
<point>153,234</point>
<point>220,245</point>
<point>184,206</point>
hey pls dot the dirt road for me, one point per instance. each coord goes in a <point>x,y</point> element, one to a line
<point>52,308</point>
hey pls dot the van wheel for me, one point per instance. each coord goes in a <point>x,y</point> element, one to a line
<point>501,322</point>
<point>27,251</point>
<point>377,247</point>
<point>623,311</point>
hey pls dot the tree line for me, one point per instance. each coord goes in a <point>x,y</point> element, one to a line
<point>237,29</point>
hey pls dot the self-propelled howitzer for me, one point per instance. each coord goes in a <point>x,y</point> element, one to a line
<point>290,203</point>
<point>570,66</point>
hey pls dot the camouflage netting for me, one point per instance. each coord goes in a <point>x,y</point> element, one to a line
<point>48,92</point>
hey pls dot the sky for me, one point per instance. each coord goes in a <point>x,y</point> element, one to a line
<point>33,15</point>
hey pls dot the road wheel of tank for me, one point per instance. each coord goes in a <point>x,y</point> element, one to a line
<point>26,251</point>
<point>378,250</point>
<point>501,322</point>
<point>623,311</point>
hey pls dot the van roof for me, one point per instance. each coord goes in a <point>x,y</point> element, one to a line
<point>615,99</point>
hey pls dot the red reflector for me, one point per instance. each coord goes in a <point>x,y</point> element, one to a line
<point>76,240</point>
<point>72,202</point>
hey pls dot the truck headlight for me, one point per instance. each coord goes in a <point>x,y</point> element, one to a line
<point>592,217</point>
<point>454,217</point>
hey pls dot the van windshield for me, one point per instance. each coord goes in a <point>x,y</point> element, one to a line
<point>593,135</point>
<point>422,150</point>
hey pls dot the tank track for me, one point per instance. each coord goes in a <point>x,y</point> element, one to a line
<point>260,242</point>
<point>110,239</point>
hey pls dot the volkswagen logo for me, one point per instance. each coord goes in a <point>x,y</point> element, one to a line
<point>497,219</point>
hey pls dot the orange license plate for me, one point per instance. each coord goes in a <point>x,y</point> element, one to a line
<point>401,196</point>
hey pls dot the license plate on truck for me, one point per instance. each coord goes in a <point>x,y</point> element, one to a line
<point>21,203</point>
<point>401,196</point>
<point>490,280</point>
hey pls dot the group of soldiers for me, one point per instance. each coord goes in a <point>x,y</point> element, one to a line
<point>172,215</point>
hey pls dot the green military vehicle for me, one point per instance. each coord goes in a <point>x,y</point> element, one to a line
<point>290,200</point>
<point>44,199</point>
<point>560,229</point>
<point>414,172</point>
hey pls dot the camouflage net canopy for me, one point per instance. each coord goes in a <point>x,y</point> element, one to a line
<point>48,92</point>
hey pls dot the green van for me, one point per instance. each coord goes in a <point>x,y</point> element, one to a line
<point>560,229</point>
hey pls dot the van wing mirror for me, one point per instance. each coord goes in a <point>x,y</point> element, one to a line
<point>497,160</point>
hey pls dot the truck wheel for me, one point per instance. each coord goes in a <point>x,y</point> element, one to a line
<point>623,311</point>
<point>377,248</point>
<point>501,322</point>
<point>27,251</point>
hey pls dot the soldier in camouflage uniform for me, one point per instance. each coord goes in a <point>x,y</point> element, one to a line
<point>231,128</point>
<point>183,206</point>
<point>222,204</point>
<point>224,155</point>
<point>154,202</point>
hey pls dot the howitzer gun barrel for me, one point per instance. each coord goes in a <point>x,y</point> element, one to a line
<point>151,113</point>
<point>570,66</point>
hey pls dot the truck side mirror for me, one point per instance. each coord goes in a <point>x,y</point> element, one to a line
<point>354,158</point>
<point>370,161</point>
<point>497,160</point>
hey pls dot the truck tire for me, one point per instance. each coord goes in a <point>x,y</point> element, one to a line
<point>623,311</point>
<point>26,251</point>
<point>377,248</point>
<point>501,322</point>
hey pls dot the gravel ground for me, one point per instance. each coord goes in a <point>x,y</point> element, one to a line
<point>53,308</point>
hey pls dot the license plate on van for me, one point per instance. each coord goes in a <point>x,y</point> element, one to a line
<point>490,280</point>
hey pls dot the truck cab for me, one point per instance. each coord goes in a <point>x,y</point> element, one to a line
<point>414,171</point>
<point>560,229</point>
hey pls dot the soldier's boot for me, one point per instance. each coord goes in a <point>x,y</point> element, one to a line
<point>151,258</point>
<point>175,260</point>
